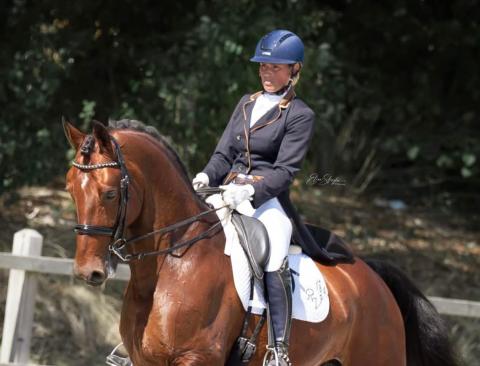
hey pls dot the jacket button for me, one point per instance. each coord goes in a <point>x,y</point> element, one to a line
<point>238,137</point>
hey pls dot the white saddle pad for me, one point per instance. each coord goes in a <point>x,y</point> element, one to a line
<point>310,295</point>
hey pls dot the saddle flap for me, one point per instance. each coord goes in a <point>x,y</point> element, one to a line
<point>254,240</point>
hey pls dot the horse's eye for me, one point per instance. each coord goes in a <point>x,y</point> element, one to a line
<point>110,195</point>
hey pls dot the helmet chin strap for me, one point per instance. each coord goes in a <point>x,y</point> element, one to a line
<point>287,87</point>
<point>283,90</point>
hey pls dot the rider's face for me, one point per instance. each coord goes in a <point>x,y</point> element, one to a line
<point>274,76</point>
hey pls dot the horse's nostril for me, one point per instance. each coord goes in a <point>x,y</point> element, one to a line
<point>97,277</point>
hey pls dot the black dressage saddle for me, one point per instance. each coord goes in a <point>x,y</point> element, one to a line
<point>254,240</point>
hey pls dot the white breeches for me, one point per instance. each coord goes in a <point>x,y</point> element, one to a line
<point>279,229</point>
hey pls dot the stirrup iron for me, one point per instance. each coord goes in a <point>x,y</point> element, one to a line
<point>115,360</point>
<point>275,358</point>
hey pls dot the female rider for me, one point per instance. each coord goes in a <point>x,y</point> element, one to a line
<point>257,157</point>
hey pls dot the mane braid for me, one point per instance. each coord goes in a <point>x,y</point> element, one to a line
<point>135,125</point>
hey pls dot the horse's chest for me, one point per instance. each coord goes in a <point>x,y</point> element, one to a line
<point>167,328</point>
<point>171,344</point>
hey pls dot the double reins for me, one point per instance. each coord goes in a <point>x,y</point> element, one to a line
<point>117,232</point>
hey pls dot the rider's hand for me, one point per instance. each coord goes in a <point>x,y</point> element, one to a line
<point>200,180</point>
<point>235,194</point>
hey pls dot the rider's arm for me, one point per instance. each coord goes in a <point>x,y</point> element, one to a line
<point>293,148</point>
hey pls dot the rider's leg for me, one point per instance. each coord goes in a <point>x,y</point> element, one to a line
<point>277,274</point>
<point>279,229</point>
<point>279,292</point>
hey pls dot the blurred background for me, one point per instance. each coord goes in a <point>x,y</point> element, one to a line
<point>393,166</point>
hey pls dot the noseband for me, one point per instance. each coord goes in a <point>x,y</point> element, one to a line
<point>117,232</point>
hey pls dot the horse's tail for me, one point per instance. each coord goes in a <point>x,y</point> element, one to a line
<point>426,333</point>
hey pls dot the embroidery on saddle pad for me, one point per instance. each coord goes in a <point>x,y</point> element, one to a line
<point>310,295</point>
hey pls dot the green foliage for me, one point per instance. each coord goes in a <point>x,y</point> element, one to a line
<point>394,86</point>
<point>88,112</point>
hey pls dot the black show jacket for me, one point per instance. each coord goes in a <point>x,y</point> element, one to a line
<point>274,147</point>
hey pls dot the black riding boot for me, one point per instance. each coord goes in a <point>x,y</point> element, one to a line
<point>279,292</point>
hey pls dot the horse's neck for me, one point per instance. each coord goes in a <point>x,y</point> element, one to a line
<point>167,200</point>
<point>180,266</point>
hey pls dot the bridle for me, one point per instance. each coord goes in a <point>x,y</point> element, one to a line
<point>118,229</point>
<point>117,232</point>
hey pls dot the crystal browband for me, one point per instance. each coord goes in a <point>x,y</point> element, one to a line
<point>112,164</point>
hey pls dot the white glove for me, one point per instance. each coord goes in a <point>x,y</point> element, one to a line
<point>200,180</point>
<point>235,194</point>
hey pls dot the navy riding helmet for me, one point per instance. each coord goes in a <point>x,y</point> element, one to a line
<point>279,47</point>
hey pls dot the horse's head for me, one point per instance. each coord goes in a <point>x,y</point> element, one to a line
<point>98,182</point>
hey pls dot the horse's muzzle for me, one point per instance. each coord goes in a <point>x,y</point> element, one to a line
<point>92,276</point>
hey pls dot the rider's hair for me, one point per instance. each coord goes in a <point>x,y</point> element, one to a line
<point>295,76</point>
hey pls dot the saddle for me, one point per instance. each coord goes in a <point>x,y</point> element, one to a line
<point>253,238</point>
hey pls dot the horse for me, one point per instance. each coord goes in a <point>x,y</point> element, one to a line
<point>134,201</point>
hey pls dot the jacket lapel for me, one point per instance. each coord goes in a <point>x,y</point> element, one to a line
<point>275,113</point>
<point>248,106</point>
<point>269,115</point>
<point>268,118</point>
<point>247,114</point>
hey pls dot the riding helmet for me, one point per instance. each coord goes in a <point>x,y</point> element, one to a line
<point>279,47</point>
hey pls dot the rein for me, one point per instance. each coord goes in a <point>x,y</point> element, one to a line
<point>117,231</point>
<point>119,244</point>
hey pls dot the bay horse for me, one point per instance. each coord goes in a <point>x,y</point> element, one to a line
<point>180,306</point>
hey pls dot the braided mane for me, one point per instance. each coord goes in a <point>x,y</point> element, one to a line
<point>135,125</point>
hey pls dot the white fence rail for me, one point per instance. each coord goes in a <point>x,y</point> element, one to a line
<point>22,289</point>
<point>50,265</point>
<point>26,260</point>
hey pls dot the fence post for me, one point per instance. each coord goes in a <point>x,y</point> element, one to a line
<point>22,289</point>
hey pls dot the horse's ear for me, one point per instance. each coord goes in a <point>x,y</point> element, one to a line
<point>103,138</point>
<point>74,136</point>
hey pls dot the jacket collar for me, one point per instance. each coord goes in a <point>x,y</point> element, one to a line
<point>284,102</point>
<point>269,117</point>
<point>263,121</point>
